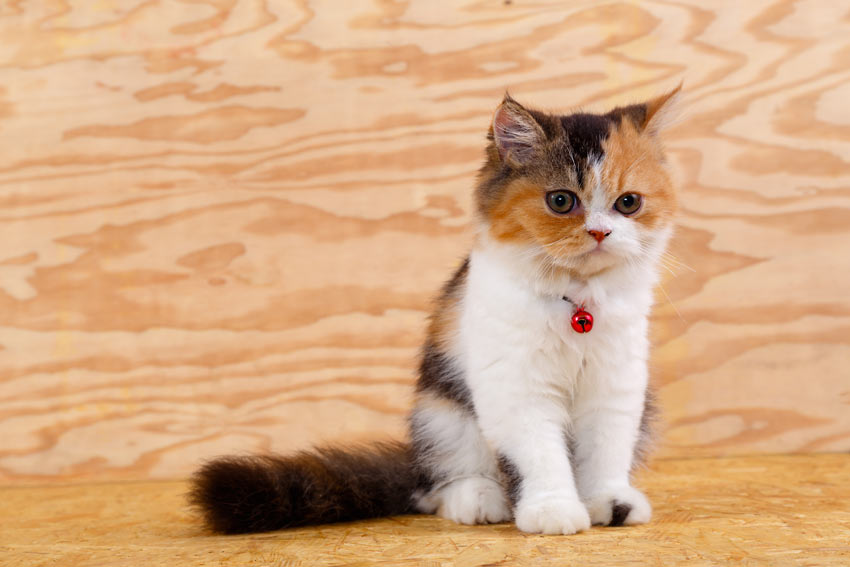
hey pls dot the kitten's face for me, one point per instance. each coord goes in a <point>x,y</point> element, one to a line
<point>585,191</point>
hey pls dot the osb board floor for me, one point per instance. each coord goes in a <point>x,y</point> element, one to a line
<point>776,511</point>
<point>221,222</point>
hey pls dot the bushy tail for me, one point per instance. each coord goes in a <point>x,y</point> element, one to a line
<point>264,493</point>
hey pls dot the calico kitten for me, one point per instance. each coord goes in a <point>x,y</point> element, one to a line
<point>532,401</point>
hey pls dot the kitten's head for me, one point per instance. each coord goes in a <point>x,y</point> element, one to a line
<point>583,191</point>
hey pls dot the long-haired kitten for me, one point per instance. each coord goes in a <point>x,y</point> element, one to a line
<point>532,402</point>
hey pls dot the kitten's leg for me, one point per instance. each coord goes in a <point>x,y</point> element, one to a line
<point>450,448</point>
<point>606,427</point>
<point>527,427</point>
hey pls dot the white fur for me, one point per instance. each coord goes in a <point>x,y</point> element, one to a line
<point>457,446</point>
<point>534,380</point>
<point>469,500</point>
<point>472,493</point>
<point>600,509</point>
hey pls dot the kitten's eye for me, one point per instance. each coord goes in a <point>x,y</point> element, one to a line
<point>561,202</point>
<point>628,203</point>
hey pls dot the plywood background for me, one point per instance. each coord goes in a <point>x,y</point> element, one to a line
<point>222,221</point>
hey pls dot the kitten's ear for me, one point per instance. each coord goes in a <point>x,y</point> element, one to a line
<point>661,111</point>
<point>516,133</point>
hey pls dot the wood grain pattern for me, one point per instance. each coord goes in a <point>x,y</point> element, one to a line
<point>222,221</point>
<point>779,511</point>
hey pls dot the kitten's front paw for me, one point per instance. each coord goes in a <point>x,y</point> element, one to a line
<point>552,515</point>
<point>622,506</point>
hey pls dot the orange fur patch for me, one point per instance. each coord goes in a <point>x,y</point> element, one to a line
<point>428,400</point>
<point>442,328</point>
<point>443,323</point>
<point>521,217</point>
<point>634,163</point>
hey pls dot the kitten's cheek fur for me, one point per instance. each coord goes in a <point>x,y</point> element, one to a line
<point>552,514</point>
<point>624,506</point>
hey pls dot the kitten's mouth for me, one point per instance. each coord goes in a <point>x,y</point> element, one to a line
<point>597,249</point>
<point>577,261</point>
<point>597,259</point>
<point>598,256</point>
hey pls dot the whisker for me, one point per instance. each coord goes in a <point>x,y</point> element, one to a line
<point>674,274</point>
<point>674,259</point>
<point>664,291</point>
<point>569,236</point>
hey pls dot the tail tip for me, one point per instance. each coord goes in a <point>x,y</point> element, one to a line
<point>230,491</point>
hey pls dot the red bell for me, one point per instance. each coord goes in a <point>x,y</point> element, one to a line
<point>582,321</point>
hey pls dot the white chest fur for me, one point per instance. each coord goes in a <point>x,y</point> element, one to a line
<point>509,314</point>
<point>535,382</point>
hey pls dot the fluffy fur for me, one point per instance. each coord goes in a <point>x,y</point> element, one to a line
<point>264,493</point>
<point>516,415</point>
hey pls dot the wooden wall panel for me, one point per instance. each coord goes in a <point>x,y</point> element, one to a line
<point>222,221</point>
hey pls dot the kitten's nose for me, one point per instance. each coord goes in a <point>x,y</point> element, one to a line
<point>598,234</point>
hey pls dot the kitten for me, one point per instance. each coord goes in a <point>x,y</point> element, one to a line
<point>532,401</point>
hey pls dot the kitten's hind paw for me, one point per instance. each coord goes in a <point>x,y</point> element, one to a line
<point>623,506</point>
<point>475,500</point>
